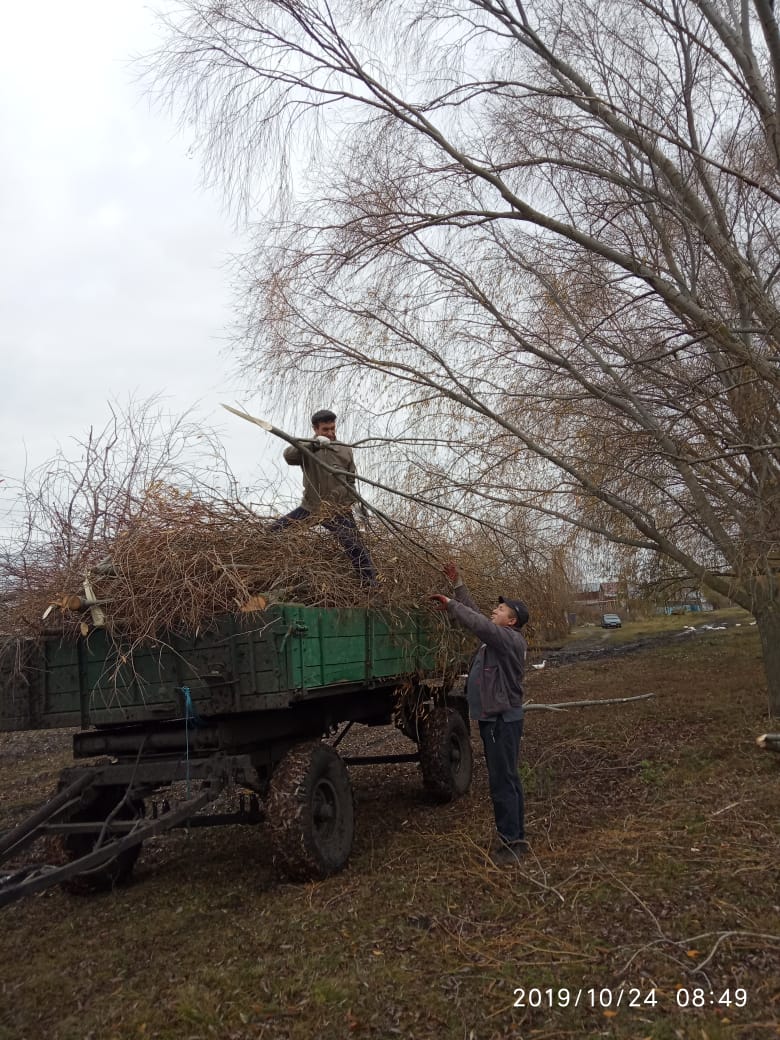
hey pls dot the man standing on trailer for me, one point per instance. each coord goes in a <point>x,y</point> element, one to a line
<point>329,496</point>
<point>494,690</point>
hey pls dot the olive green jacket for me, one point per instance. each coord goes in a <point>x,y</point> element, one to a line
<point>325,492</point>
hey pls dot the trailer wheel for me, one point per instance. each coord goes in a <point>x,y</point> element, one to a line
<point>117,870</point>
<point>445,753</point>
<point>310,812</point>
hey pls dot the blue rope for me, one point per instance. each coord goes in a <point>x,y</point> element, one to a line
<point>191,718</point>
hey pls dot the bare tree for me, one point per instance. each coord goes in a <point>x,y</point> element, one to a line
<point>543,235</point>
<point>74,507</point>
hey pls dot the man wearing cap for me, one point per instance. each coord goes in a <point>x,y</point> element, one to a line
<point>494,690</point>
<point>327,495</point>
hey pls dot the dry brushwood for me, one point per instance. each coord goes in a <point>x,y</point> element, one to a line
<point>180,562</point>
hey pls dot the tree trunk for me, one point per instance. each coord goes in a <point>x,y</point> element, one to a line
<point>768,622</point>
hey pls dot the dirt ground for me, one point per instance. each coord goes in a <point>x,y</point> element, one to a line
<point>648,907</point>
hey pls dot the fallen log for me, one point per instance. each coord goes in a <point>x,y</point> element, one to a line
<point>564,705</point>
<point>769,741</point>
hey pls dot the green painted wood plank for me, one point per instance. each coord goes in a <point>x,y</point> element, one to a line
<point>290,647</point>
<point>312,676</point>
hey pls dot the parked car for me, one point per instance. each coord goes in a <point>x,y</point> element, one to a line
<point>610,621</point>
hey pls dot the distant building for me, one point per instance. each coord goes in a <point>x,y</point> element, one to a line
<point>597,598</point>
<point>599,594</point>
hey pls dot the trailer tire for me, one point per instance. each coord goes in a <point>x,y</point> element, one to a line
<point>445,753</point>
<point>116,871</point>
<point>310,812</point>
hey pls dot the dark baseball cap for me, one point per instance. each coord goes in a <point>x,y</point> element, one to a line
<point>520,609</point>
<point>323,415</point>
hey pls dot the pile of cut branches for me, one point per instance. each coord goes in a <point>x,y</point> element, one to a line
<point>179,562</point>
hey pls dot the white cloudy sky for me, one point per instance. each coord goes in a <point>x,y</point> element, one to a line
<point>114,260</point>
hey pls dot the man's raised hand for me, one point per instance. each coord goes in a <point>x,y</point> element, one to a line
<point>451,572</point>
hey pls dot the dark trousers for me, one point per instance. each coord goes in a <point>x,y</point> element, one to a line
<point>348,536</point>
<point>501,741</point>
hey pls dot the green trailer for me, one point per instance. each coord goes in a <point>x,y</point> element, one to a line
<point>257,702</point>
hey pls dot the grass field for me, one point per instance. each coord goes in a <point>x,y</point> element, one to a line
<point>657,625</point>
<point>653,883</point>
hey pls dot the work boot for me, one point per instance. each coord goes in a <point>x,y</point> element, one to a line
<point>509,854</point>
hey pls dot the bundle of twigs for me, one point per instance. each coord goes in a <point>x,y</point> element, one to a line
<point>178,563</point>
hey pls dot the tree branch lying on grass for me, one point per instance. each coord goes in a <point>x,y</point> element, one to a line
<point>769,741</point>
<point>586,704</point>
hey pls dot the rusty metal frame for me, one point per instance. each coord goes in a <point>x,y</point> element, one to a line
<point>140,779</point>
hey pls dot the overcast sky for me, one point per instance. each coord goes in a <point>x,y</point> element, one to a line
<point>114,266</point>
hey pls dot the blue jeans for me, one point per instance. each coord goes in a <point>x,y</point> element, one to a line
<point>501,741</point>
<point>348,536</point>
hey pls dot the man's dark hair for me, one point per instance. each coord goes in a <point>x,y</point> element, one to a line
<point>323,415</point>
